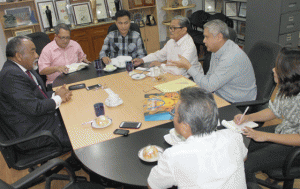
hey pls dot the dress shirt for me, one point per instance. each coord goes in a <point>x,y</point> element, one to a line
<point>210,161</point>
<point>184,46</point>
<point>53,55</point>
<point>117,45</point>
<point>57,99</point>
<point>230,74</point>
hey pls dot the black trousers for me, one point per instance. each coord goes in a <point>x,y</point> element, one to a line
<point>264,156</point>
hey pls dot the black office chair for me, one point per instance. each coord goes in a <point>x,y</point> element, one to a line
<point>29,180</point>
<point>19,159</point>
<point>263,57</point>
<point>206,59</point>
<point>133,27</point>
<point>288,173</point>
<point>40,40</point>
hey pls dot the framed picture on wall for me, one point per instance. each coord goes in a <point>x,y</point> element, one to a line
<point>243,10</point>
<point>62,11</point>
<point>22,14</point>
<point>210,5</point>
<point>82,13</point>
<point>42,11</point>
<point>101,11</point>
<point>111,8</point>
<point>230,8</point>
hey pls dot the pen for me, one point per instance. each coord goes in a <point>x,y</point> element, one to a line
<point>244,113</point>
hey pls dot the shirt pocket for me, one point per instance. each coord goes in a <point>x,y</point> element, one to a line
<point>131,47</point>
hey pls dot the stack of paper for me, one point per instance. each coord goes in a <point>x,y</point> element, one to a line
<point>176,85</point>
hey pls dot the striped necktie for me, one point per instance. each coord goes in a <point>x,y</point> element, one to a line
<point>29,74</point>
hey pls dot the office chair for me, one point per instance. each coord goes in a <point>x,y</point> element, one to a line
<point>206,59</point>
<point>40,40</point>
<point>263,57</point>
<point>288,173</point>
<point>19,159</point>
<point>133,27</point>
<point>29,179</point>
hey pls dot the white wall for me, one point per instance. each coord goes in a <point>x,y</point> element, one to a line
<point>2,47</point>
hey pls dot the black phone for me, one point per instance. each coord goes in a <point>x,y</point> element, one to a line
<point>130,125</point>
<point>99,109</point>
<point>93,87</point>
<point>78,86</point>
<point>121,132</point>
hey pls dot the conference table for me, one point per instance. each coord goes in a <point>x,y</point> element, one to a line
<point>103,153</point>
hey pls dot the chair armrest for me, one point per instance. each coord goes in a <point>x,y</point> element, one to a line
<point>43,133</point>
<point>27,180</point>
<point>251,103</point>
<point>289,161</point>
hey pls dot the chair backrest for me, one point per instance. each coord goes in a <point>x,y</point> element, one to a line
<point>133,27</point>
<point>263,57</point>
<point>199,18</point>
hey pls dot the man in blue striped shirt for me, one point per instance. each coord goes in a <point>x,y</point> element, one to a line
<point>122,41</point>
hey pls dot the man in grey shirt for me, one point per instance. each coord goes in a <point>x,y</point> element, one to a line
<point>230,74</point>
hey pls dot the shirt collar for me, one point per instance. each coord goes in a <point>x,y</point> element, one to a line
<point>181,40</point>
<point>222,50</point>
<point>57,47</point>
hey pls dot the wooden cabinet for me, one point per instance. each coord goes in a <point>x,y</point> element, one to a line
<point>25,11</point>
<point>149,34</point>
<point>90,38</point>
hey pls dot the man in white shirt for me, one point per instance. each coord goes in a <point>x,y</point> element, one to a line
<point>208,158</point>
<point>181,43</point>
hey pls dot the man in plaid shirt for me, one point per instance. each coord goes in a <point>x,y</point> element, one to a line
<point>122,41</point>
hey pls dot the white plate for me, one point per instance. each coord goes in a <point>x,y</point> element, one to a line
<point>140,154</point>
<point>169,139</point>
<point>120,101</point>
<point>96,126</point>
<point>124,58</point>
<point>110,70</point>
<point>138,76</point>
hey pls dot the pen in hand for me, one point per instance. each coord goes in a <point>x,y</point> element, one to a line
<point>244,114</point>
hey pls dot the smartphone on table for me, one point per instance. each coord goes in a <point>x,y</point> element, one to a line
<point>121,132</point>
<point>130,125</point>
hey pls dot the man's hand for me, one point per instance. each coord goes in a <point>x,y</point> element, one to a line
<point>85,60</point>
<point>182,63</point>
<point>62,69</point>
<point>137,61</point>
<point>106,60</point>
<point>258,136</point>
<point>64,93</point>
<point>155,63</point>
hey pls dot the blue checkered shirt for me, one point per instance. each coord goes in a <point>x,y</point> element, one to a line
<point>117,45</point>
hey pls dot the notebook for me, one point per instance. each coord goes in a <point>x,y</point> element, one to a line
<point>238,128</point>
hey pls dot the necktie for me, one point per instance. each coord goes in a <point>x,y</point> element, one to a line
<point>29,74</point>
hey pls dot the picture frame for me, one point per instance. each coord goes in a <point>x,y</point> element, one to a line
<point>243,10</point>
<point>23,31</point>
<point>111,8</point>
<point>149,2</point>
<point>219,6</point>
<point>101,11</point>
<point>62,12</point>
<point>42,8</point>
<point>82,13</point>
<point>230,8</point>
<point>22,15</point>
<point>138,3</point>
<point>77,1</point>
<point>210,5</point>
<point>241,28</point>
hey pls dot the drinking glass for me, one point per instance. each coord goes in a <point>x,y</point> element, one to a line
<point>98,64</point>
<point>129,66</point>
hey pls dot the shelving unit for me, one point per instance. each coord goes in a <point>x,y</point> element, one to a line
<point>180,10</point>
<point>149,34</point>
<point>19,29</point>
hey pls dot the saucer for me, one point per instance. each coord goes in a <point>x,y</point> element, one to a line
<point>107,103</point>
<point>138,76</point>
<point>140,154</point>
<point>96,126</point>
<point>110,70</point>
<point>169,139</point>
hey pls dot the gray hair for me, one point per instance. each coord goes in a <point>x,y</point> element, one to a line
<point>217,26</point>
<point>16,45</point>
<point>183,21</point>
<point>198,109</point>
<point>61,26</point>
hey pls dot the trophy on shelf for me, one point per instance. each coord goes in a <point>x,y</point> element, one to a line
<point>150,20</point>
<point>49,18</point>
<point>138,19</point>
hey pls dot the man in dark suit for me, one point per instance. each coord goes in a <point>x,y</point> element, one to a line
<point>25,106</point>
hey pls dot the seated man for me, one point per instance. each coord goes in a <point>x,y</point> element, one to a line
<point>230,74</point>
<point>25,106</point>
<point>62,51</point>
<point>208,158</point>
<point>181,43</point>
<point>122,41</point>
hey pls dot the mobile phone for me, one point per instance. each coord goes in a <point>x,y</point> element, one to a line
<point>121,132</point>
<point>78,86</point>
<point>99,109</point>
<point>93,87</point>
<point>130,125</point>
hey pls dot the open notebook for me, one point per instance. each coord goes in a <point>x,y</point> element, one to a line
<point>238,128</point>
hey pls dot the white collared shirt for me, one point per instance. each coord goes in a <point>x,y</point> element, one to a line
<point>184,46</point>
<point>57,99</point>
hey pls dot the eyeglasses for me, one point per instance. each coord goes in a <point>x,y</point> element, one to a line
<point>172,113</point>
<point>173,28</point>
<point>63,38</point>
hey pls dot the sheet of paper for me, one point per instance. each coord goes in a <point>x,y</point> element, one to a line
<point>238,128</point>
<point>176,85</point>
